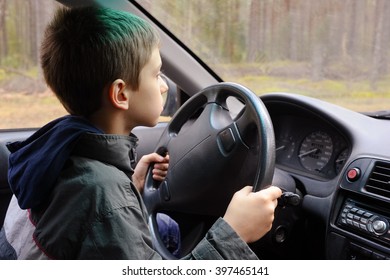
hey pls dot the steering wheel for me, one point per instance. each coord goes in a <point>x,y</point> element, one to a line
<point>212,155</point>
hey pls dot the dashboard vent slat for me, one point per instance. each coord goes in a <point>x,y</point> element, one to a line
<point>379,180</point>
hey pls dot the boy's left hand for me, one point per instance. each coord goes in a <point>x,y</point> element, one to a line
<point>159,171</point>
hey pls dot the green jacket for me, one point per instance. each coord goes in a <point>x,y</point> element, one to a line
<point>95,212</point>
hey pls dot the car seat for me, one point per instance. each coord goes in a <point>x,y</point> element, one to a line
<point>5,191</point>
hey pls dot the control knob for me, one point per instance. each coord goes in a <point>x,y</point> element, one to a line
<point>379,226</point>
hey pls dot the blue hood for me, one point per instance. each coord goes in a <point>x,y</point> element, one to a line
<point>36,163</point>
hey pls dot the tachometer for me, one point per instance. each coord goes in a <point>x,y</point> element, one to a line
<point>341,159</point>
<point>316,151</point>
<point>285,147</point>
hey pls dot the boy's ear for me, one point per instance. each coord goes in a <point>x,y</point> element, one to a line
<point>118,95</point>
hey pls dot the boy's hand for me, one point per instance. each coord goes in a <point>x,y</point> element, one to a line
<point>159,171</point>
<point>251,214</point>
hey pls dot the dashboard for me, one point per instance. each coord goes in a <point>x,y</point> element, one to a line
<point>340,162</point>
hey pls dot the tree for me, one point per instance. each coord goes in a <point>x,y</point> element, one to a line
<point>254,36</point>
<point>378,51</point>
<point>3,31</point>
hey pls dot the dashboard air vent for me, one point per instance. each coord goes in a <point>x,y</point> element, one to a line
<point>379,180</point>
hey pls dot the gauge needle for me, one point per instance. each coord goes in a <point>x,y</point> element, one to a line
<point>308,152</point>
<point>280,148</point>
<point>340,160</point>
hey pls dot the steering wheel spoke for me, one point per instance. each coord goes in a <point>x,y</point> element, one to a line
<point>246,125</point>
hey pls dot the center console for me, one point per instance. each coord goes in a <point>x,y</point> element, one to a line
<point>360,228</point>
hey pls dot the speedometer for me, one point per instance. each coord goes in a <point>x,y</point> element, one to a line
<point>315,151</point>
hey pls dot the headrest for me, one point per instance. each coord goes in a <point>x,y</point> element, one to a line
<point>4,153</point>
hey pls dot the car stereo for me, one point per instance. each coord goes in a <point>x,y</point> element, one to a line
<point>359,218</point>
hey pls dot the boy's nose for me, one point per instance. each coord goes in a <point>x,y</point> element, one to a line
<point>163,86</point>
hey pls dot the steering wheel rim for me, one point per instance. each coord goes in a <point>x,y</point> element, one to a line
<point>204,141</point>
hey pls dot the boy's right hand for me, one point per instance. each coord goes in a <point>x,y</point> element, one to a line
<point>251,214</point>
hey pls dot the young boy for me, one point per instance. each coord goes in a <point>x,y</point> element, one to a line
<point>75,175</point>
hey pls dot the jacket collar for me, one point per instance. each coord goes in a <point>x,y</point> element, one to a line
<point>116,150</point>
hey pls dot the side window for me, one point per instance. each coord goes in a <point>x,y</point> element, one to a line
<point>25,100</point>
<point>170,100</point>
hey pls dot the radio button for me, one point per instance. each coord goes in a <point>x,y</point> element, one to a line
<point>354,210</point>
<point>367,215</point>
<point>356,218</point>
<point>363,227</point>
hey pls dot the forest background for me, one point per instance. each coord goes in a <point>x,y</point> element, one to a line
<point>337,50</point>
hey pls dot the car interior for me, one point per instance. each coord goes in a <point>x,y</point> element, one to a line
<point>334,162</point>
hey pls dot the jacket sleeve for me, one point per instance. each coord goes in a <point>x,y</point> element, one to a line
<point>117,238</point>
<point>124,234</point>
<point>222,243</point>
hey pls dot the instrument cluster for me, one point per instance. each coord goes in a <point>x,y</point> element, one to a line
<point>305,146</point>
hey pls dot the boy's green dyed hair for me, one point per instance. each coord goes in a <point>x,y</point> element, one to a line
<point>85,49</point>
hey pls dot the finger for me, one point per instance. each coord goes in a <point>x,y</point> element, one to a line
<point>150,158</point>
<point>154,157</point>
<point>273,191</point>
<point>246,190</point>
<point>160,172</point>
<point>160,158</point>
<point>158,177</point>
<point>166,158</point>
<point>161,166</point>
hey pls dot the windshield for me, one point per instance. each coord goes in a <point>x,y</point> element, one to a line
<point>332,50</point>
